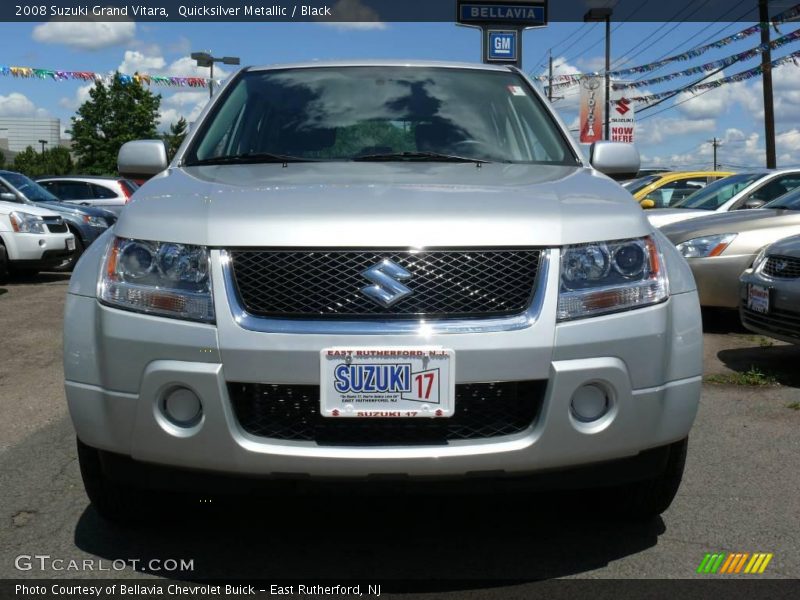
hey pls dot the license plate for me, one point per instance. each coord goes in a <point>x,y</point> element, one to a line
<point>71,243</point>
<point>758,298</point>
<point>392,383</point>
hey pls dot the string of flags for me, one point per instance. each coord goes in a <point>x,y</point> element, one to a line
<point>714,65</point>
<point>568,79</point>
<point>741,76</point>
<point>144,79</point>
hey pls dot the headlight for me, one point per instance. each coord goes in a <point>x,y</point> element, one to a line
<point>704,247</point>
<point>22,222</point>
<point>160,278</point>
<point>95,221</point>
<point>604,277</point>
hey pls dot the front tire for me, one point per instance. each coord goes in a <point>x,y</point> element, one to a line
<point>647,499</point>
<point>113,501</point>
<point>3,264</point>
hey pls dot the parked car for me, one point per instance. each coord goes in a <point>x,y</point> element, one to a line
<point>770,292</point>
<point>661,191</point>
<point>719,247</point>
<point>405,270</point>
<point>31,238</point>
<point>84,222</point>
<point>737,192</point>
<point>110,193</point>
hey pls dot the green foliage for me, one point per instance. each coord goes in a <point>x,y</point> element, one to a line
<point>371,137</point>
<point>750,378</point>
<point>53,161</point>
<point>2,160</point>
<point>114,114</point>
<point>173,139</point>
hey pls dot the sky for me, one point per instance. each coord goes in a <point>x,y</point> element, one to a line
<point>679,137</point>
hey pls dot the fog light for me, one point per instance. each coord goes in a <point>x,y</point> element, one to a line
<point>589,403</point>
<point>182,407</point>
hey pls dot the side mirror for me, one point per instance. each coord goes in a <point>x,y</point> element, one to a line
<point>617,160</point>
<point>142,159</point>
<point>647,203</point>
<point>8,197</point>
<point>753,203</point>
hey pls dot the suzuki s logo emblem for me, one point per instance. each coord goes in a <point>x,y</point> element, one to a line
<point>386,276</point>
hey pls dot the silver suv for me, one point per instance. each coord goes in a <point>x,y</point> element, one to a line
<point>384,269</point>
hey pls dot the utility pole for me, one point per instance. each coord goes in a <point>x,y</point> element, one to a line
<point>766,68</point>
<point>599,15</point>
<point>550,78</point>
<point>715,143</point>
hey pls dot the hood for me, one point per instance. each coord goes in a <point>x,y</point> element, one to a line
<point>341,204</point>
<point>789,246</point>
<point>659,217</point>
<point>32,209</point>
<point>739,221</point>
<point>76,210</point>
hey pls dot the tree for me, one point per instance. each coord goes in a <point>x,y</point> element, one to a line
<point>114,114</point>
<point>53,161</point>
<point>2,160</point>
<point>173,139</point>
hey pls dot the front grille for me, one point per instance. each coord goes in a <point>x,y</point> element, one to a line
<point>291,412</point>
<point>55,224</point>
<point>327,283</point>
<point>782,267</point>
<point>781,322</point>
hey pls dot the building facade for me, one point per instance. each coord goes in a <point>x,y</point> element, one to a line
<point>17,133</point>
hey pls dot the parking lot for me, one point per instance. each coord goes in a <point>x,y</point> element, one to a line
<point>739,493</point>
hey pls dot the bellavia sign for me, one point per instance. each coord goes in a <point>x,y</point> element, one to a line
<point>502,24</point>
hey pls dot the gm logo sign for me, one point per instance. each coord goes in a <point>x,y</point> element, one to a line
<point>502,45</point>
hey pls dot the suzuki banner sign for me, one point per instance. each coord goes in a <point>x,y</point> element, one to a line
<point>623,118</point>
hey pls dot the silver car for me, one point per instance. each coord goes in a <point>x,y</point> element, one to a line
<point>770,292</point>
<point>394,270</point>
<point>720,247</point>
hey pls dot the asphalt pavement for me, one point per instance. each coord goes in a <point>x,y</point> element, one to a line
<point>739,494</point>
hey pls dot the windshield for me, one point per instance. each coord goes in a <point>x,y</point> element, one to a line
<point>383,113</point>
<point>29,188</point>
<point>790,201</point>
<point>636,185</point>
<point>718,193</point>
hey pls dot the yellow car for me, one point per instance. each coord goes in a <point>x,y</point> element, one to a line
<point>664,190</point>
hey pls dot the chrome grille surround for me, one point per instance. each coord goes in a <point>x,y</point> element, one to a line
<point>378,325</point>
<point>328,283</point>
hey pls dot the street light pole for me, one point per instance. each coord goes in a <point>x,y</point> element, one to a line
<point>205,59</point>
<point>597,15</point>
<point>766,75</point>
<point>43,142</point>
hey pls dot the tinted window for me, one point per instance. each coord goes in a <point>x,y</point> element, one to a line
<point>718,193</point>
<point>103,192</point>
<point>789,201</point>
<point>74,190</point>
<point>638,185</point>
<point>29,188</point>
<point>352,112</point>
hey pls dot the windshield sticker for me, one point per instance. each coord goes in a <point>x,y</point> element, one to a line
<point>516,90</point>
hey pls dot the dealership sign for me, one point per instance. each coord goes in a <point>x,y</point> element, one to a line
<point>623,118</point>
<point>591,113</point>
<point>502,24</point>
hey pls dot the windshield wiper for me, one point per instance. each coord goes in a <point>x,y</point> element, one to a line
<point>250,158</point>
<point>421,156</point>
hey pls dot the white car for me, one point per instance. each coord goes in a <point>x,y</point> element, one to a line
<point>735,192</point>
<point>32,239</point>
<point>110,193</point>
<point>381,270</point>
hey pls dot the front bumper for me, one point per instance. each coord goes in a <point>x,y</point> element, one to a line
<point>783,319</point>
<point>118,365</point>
<point>37,250</point>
